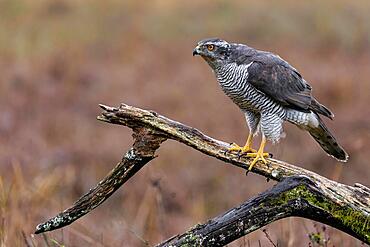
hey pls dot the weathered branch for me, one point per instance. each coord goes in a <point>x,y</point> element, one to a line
<point>145,144</point>
<point>293,196</point>
<point>344,207</point>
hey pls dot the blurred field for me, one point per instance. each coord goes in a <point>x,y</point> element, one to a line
<point>59,59</point>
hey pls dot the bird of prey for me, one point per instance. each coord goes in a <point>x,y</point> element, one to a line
<point>269,91</point>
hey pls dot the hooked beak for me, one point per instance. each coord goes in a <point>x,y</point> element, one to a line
<point>196,51</point>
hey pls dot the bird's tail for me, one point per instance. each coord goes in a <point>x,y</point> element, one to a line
<point>327,141</point>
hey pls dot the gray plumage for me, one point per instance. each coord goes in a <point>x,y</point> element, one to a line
<point>269,91</point>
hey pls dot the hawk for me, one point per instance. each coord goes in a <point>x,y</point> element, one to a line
<point>269,91</point>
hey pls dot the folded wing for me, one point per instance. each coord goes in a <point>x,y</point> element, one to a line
<point>276,78</point>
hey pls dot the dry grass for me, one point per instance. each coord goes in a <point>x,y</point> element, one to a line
<point>59,59</point>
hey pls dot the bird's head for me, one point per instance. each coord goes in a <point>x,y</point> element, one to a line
<point>215,51</point>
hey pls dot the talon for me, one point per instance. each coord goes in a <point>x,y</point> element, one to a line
<point>234,147</point>
<point>239,154</point>
<point>242,150</point>
<point>259,155</point>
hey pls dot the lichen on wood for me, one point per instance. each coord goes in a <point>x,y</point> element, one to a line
<point>294,196</point>
<point>299,192</point>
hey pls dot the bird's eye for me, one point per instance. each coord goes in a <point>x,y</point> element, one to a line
<point>210,47</point>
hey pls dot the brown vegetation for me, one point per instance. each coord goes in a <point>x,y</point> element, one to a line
<point>60,59</point>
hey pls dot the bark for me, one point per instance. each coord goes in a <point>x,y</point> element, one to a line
<point>140,154</point>
<point>294,196</point>
<point>299,192</point>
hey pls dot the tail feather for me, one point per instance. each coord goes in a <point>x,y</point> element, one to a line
<point>327,141</point>
<point>321,109</point>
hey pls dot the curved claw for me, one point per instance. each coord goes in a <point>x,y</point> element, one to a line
<point>258,156</point>
<point>241,150</point>
<point>234,147</point>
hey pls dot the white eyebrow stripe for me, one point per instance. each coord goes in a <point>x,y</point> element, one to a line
<point>218,43</point>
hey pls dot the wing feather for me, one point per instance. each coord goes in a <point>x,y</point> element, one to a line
<point>279,80</point>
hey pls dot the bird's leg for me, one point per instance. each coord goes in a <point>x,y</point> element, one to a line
<point>247,147</point>
<point>259,155</point>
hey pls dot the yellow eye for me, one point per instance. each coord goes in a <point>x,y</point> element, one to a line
<point>210,47</point>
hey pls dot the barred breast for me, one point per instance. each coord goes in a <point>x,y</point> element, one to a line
<point>233,81</point>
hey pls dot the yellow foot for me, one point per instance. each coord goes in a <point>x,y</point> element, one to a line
<point>257,156</point>
<point>245,149</point>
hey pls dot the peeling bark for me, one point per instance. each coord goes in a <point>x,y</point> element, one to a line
<point>135,158</point>
<point>294,196</point>
<point>299,192</point>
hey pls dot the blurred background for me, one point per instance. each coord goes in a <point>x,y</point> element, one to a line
<point>59,59</point>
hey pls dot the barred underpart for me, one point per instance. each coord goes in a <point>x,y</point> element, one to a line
<point>233,81</point>
<point>269,91</point>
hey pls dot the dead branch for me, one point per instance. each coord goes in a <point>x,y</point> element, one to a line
<point>145,144</point>
<point>293,196</point>
<point>314,197</point>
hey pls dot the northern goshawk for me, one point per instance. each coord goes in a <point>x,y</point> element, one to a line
<point>269,91</point>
